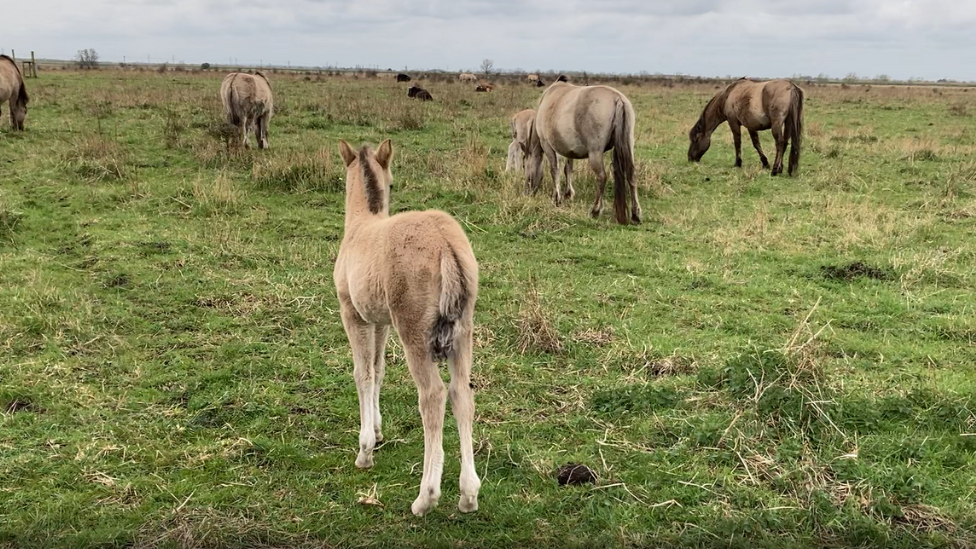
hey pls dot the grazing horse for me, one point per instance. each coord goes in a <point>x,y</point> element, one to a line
<point>518,150</point>
<point>248,105</point>
<point>12,90</point>
<point>467,77</point>
<point>578,122</point>
<point>775,105</point>
<point>415,271</point>
<point>417,92</point>
<point>403,77</point>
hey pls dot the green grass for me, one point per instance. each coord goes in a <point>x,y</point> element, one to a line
<point>765,362</point>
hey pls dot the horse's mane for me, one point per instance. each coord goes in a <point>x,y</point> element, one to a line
<point>700,125</point>
<point>12,62</point>
<point>261,74</point>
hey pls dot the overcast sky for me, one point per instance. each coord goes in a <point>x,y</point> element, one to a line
<point>930,39</point>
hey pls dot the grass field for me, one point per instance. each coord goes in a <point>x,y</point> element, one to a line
<point>764,362</point>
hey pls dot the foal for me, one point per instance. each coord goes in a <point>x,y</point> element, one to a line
<point>415,271</point>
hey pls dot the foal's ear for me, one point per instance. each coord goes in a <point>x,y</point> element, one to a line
<point>348,155</point>
<point>384,154</point>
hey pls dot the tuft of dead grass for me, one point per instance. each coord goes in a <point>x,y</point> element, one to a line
<point>535,329</point>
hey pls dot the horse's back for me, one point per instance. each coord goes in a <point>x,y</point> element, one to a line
<point>10,80</point>
<point>578,119</point>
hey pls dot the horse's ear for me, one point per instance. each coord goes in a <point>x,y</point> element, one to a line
<point>348,155</point>
<point>384,154</point>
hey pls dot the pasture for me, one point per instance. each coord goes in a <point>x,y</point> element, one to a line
<point>764,362</point>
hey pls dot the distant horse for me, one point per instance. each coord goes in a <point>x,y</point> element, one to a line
<point>775,105</point>
<point>415,271</point>
<point>403,77</point>
<point>484,88</point>
<point>467,77</point>
<point>13,92</point>
<point>518,150</point>
<point>578,122</point>
<point>248,105</point>
<point>417,92</point>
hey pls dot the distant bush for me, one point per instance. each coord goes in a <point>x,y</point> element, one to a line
<point>205,66</point>
<point>87,59</point>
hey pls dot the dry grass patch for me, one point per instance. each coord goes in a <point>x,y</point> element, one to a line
<point>536,332</point>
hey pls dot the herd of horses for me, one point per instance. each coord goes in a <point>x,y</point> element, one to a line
<point>416,272</point>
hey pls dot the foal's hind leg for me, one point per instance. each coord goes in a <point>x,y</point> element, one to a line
<point>596,164</point>
<point>462,404</point>
<point>362,338</point>
<point>754,135</point>
<point>379,371</point>
<point>553,160</point>
<point>431,399</point>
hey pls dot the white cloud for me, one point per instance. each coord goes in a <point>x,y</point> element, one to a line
<point>709,37</point>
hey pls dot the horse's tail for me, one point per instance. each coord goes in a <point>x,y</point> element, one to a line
<point>457,286</point>
<point>623,158</point>
<point>794,127</point>
<point>233,102</point>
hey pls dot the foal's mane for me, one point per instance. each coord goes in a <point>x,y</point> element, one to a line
<point>374,193</point>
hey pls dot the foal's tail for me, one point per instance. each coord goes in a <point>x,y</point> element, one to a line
<point>623,159</point>
<point>458,282</point>
<point>794,127</point>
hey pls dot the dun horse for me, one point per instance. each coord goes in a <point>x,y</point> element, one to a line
<point>12,90</point>
<point>775,105</point>
<point>248,105</point>
<point>415,271</point>
<point>518,150</point>
<point>584,122</point>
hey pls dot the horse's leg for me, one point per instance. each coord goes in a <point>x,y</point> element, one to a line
<point>462,405</point>
<point>431,399</point>
<point>596,164</point>
<point>635,209</point>
<point>755,143</point>
<point>553,160</point>
<point>737,140</point>
<point>245,126</point>
<point>362,340</point>
<point>568,170</point>
<point>779,136</point>
<point>263,131</point>
<point>382,333</point>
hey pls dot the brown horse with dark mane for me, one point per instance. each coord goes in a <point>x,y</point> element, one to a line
<point>12,90</point>
<point>775,105</point>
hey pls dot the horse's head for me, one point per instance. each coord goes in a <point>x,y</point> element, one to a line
<point>369,180</point>
<point>700,141</point>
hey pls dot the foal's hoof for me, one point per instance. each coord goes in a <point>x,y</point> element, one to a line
<point>636,218</point>
<point>595,213</point>
<point>423,504</point>
<point>468,504</point>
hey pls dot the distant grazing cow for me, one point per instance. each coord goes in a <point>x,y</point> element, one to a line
<point>484,88</point>
<point>467,77</point>
<point>532,78</point>
<point>403,77</point>
<point>417,92</point>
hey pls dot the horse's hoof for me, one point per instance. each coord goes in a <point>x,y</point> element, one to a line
<point>468,504</point>
<point>364,461</point>
<point>636,219</point>
<point>422,505</point>
<point>594,213</point>
<point>379,435</point>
